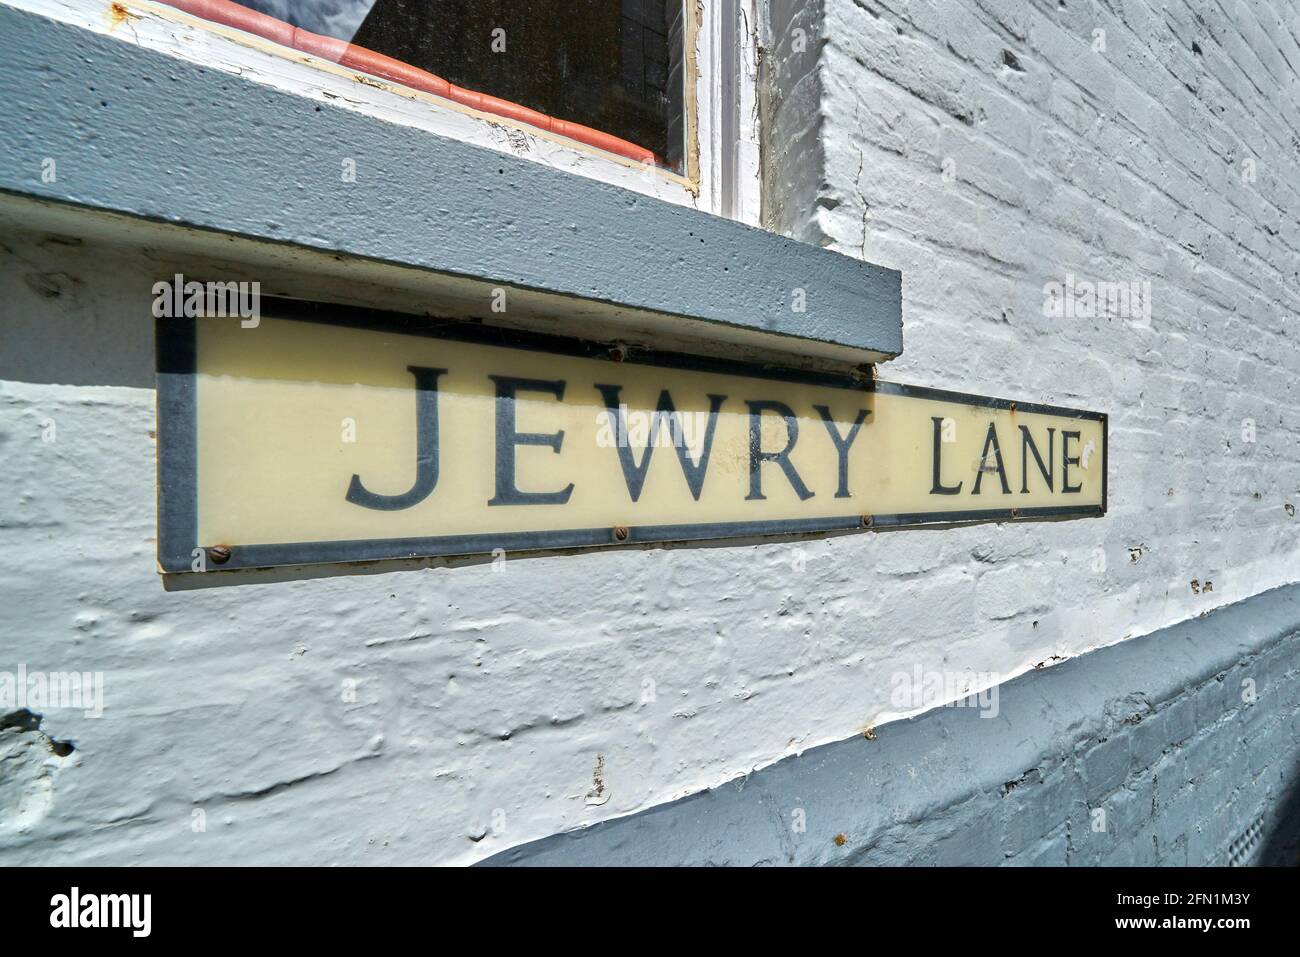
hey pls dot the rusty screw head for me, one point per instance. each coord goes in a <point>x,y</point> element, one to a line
<point>219,554</point>
<point>1011,407</point>
<point>617,353</point>
<point>620,533</point>
<point>1015,513</point>
<point>866,521</point>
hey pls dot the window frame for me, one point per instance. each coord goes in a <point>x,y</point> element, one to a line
<point>725,48</point>
<point>721,169</point>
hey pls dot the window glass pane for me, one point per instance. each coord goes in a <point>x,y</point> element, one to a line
<point>612,65</point>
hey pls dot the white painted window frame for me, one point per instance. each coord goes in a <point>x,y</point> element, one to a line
<point>726,108</point>
<point>722,170</point>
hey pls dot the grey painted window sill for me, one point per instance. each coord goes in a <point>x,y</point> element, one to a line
<point>140,133</point>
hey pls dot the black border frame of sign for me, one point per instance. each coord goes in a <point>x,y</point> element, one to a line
<point>178,455</point>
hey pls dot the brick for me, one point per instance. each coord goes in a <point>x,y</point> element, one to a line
<point>1106,764</point>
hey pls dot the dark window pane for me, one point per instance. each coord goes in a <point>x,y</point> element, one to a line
<point>614,65</point>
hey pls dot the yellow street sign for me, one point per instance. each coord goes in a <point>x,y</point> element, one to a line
<point>322,434</point>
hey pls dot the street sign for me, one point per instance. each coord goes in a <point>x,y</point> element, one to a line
<point>325,434</point>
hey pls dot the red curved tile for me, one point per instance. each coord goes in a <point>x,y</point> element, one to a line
<point>241,18</point>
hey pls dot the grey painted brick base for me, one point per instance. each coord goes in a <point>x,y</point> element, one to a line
<point>1151,739</point>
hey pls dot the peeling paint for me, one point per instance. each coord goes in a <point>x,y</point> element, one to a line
<point>599,793</point>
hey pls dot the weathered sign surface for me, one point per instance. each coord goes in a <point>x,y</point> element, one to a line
<point>324,434</point>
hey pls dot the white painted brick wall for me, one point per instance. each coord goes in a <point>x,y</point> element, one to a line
<point>486,700</point>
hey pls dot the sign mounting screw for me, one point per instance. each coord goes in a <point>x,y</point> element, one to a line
<point>219,554</point>
<point>620,533</point>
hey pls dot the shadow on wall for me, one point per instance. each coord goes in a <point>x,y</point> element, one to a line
<point>73,313</point>
<point>1282,843</point>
